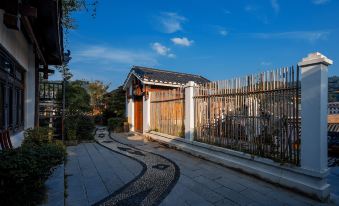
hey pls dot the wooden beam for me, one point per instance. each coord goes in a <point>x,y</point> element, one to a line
<point>26,10</point>
<point>46,71</point>
<point>11,21</point>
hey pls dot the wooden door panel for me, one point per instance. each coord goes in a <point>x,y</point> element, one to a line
<point>138,114</point>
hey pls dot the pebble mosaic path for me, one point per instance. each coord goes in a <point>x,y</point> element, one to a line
<point>106,172</point>
<point>158,176</point>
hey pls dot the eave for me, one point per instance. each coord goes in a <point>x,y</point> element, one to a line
<point>150,82</point>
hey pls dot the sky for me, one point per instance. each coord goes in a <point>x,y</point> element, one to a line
<point>216,39</point>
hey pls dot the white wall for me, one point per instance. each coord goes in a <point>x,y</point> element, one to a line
<point>17,45</point>
<point>146,113</point>
<point>30,93</point>
<point>130,111</point>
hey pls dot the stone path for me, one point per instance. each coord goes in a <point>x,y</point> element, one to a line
<point>94,172</point>
<point>98,172</point>
<point>333,179</point>
<point>151,186</point>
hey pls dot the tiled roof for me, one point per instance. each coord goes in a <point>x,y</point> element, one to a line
<point>166,77</point>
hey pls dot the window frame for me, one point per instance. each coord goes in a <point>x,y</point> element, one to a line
<point>12,83</point>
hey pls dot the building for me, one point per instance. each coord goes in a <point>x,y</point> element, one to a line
<point>31,39</point>
<point>142,80</point>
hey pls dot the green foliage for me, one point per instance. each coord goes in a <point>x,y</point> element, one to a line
<point>79,127</point>
<point>78,124</point>
<point>65,71</point>
<point>69,7</point>
<point>24,170</point>
<point>38,136</point>
<point>116,124</point>
<point>71,125</point>
<point>77,98</point>
<point>96,90</point>
<point>115,104</point>
<point>85,128</point>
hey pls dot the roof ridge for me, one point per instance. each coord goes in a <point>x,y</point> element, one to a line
<point>168,71</point>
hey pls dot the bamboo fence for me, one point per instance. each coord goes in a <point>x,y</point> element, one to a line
<point>168,112</point>
<point>257,114</point>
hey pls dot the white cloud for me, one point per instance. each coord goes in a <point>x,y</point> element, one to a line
<point>109,55</point>
<point>226,11</point>
<point>182,41</point>
<point>250,8</point>
<point>223,32</point>
<point>264,63</point>
<point>171,55</point>
<point>162,50</point>
<point>318,2</point>
<point>171,22</point>
<point>275,6</point>
<point>310,36</point>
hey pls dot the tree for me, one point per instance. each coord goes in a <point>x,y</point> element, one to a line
<point>69,23</point>
<point>71,6</point>
<point>77,98</point>
<point>96,90</point>
<point>115,104</point>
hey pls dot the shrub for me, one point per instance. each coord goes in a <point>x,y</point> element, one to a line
<point>85,128</point>
<point>24,170</point>
<point>38,136</point>
<point>116,124</point>
<point>71,125</point>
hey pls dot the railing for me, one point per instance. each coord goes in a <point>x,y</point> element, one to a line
<point>168,112</point>
<point>50,106</point>
<point>256,114</point>
<point>51,91</point>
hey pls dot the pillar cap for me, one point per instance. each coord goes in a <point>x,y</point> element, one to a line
<point>190,84</point>
<point>315,58</point>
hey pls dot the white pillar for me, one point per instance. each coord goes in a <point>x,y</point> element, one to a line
<point>314,92</point>
<point>146,110</point>
<point>189,111</point>
<point>130,111</point>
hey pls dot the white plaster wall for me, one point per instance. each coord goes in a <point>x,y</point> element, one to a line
<point>30,93</point>
<point>18,46</point>
<point>15,43</point>
<point>189,110</point>
<point>146,113</point>
<point>130,113</point>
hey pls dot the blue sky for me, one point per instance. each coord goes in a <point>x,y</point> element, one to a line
<point>216,39</point>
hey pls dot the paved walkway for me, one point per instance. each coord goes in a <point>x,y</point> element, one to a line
<point>96,172</point>
<point>333,179</point>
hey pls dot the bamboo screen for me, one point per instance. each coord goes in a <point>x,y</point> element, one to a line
<point>257,114</point>
<point>168,112</point>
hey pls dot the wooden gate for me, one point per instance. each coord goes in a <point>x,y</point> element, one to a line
<point>138,117</point>
<point>168,112</point>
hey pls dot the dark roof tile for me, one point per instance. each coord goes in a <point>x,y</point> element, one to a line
<point>164,76</point>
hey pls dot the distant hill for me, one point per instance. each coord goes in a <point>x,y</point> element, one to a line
<point>333,89</point>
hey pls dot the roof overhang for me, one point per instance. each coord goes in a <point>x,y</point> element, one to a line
<point>149,82</point>
<point>41,22</point>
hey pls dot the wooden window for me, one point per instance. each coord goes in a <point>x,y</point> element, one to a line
<point>12,90</point>
<point>2,105</point>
